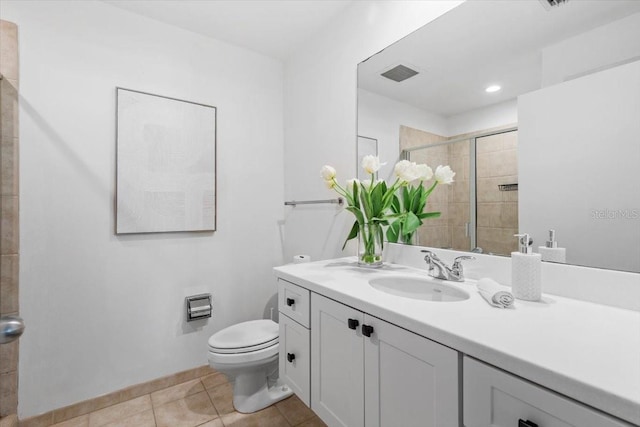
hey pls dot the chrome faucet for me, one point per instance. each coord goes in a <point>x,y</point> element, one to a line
<point>439,270</point>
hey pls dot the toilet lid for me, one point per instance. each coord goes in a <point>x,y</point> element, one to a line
<point>245,336</point>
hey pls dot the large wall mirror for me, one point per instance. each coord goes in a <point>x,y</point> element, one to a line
<point>553,145</point>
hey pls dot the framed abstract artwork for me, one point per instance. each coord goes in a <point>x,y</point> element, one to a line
<point>165,164</point>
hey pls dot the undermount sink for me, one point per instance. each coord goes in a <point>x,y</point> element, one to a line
<point>419,288</point>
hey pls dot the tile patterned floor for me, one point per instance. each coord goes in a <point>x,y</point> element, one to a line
<point>204,402</point>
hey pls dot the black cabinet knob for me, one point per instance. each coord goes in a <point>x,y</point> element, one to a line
<point>290,301</point>
<point>291,357</point>
<point>353,323</point>
<point>367,330</point>
<point>527,423</point>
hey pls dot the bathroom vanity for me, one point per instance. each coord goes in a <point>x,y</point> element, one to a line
<point>361,356</point>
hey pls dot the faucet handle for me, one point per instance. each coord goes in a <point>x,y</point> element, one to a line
<point>429,255</point>
<point>457,262</point>
<point>456,268</point>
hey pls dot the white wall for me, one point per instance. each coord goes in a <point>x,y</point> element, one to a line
<point>504,113</point>
<point>581,176</point>
<point>611,44</point>
<point>104,311</point>
<point>320,113</point>
<point>380,117</point>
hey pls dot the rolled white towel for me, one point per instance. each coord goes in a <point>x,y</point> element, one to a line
<point>494,293</point>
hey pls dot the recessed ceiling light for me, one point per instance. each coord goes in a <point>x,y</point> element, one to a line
<point>492,88</point>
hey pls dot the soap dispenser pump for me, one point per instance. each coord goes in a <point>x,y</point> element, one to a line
<point>525,270</point>
<point>551,252</point>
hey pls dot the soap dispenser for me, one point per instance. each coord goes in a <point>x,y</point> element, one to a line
<point>551,252</point>
<point>525,270</point>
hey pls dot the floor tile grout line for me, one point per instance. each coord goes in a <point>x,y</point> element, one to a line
<point>153,411</point>
<point>211,401</point>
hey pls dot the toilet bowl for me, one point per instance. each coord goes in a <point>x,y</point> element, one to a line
<point>248,354</point>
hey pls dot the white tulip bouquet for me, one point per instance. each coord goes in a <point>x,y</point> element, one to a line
<point>375,204</point>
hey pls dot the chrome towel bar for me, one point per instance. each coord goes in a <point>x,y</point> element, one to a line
<point>339,201</point>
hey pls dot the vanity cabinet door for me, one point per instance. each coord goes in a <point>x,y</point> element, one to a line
<point>409,380</point>
<point>295,357</point>
<point>337,372</point>
<point>495,398</point>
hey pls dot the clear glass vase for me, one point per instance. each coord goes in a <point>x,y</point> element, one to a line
<point>370,245</point>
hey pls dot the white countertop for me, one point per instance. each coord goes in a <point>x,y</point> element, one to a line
<point>586,351</point>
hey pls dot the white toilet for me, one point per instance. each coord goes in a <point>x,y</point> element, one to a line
<point>248,354</point>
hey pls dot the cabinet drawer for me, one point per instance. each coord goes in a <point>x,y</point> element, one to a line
<point>498,399</point>
<point>294,365</point>
<point>293,301</point>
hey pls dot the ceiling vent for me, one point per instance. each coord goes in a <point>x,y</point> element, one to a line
<point>549,4</point>
<point>399,73</point>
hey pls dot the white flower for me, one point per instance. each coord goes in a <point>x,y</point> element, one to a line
<point>328,173</point>
<point>424,172</point>
<point>406,171</point>
<point>444,175</point>
<point>371,164</point>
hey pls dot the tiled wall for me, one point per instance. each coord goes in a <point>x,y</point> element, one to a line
<point>452,201</point>
<point>8,214</point>
<point>497,211</point>
<point>435,232</point>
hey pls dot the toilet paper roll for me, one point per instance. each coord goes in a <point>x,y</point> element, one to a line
<point>300,259</point>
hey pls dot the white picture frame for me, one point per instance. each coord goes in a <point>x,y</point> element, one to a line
<point>165,164</point>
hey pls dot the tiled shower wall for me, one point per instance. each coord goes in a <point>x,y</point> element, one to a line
<point>435,232</point>
<point>497,211</point>
<point>8,215</point>
<point>452,201</point>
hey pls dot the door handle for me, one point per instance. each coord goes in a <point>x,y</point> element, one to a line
<point>353,323</point>
<point>291,357</point>
<point>11,327</point>
<point>290,301</point>
<point>367,330</point>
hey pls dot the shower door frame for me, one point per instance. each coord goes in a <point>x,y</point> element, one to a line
<point>472,225</point>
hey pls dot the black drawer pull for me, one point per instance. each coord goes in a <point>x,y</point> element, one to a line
<point>291,357</point>
<point>527,423</point>
<point>353,323</point>
<point>367,330</point>
<point>290,301</point>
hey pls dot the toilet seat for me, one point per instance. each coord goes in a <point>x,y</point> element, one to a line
<point>247,337</point>
<point>246,358</point>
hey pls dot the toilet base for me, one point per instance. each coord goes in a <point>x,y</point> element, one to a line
<point>246,399</point>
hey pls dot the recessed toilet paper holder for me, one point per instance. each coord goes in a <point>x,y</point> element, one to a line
<point>198,307</point>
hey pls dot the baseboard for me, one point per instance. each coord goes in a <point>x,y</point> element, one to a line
<point>68,412</point>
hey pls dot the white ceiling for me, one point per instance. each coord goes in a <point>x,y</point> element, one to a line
<point>481,43</point>
<point>272,27</point>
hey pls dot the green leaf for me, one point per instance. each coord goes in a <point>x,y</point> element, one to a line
<point>365,198</point>
<point>395,204</point>
<point>376,199</point>
<point>425,215</point>
<point>352,234</point>
<point>381,237</point>
<point>416,195</point>
<point>406,199</point>
<point>356,198</point>
<point>393,232</point>
<point>411,223</point>
<point>357,212</point>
